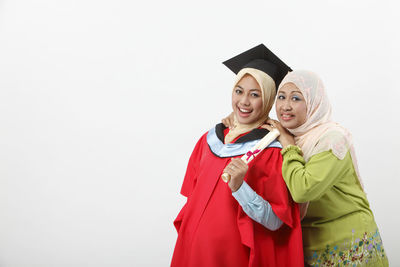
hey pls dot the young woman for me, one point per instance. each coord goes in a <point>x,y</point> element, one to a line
<point>221,223</point>
<point>320,169</point>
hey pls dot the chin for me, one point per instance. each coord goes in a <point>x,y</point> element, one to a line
<point>287,125</point>
<point>245,121</point>
<point>242,121</point>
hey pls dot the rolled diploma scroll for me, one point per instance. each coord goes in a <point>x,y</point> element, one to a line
<point>252,153</point>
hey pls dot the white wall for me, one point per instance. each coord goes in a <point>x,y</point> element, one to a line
<point>101,103</point>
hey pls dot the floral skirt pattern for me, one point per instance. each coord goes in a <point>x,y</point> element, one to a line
<point>366,250</point>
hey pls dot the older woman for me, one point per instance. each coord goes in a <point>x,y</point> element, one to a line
<point>221,223</point>
<point>320,170</point>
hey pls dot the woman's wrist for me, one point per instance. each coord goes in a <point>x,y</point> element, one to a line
<point>287,142</point>
<point>235,187</point>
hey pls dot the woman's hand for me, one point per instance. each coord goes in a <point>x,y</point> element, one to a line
<point>285,138</point>
<point>237,170</point>
<point>228,121</point>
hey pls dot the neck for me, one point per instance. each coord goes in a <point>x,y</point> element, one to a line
<point>242,128</point>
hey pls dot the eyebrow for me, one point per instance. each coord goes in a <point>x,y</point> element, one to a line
<point>283,92</point>
<point>255,89</point>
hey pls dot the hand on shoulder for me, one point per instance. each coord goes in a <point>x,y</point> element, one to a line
<point>228,121</point>
<point>285,137</point>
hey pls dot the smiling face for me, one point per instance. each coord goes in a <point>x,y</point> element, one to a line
<point>247,101</point>
<point>291,106</point>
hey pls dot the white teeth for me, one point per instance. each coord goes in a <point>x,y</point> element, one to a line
<point>244,110</point>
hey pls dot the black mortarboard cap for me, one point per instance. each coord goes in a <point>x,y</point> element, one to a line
<point>261,58</point>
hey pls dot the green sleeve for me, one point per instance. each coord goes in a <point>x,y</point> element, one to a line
<point>309,181</point>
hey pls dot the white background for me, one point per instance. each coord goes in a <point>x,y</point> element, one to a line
<point>101,103</point>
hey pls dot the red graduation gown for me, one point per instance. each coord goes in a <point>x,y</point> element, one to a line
<point>213,230</point>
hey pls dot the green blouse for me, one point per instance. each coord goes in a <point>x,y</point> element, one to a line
<point>339,228</point>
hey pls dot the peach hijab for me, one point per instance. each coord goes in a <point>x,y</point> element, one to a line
<point>319,133</point>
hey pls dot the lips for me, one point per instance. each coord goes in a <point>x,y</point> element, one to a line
<point>287,117</point>
<point>243,112</point>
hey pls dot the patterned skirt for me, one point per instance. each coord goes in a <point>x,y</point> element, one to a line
<point>360,250</point>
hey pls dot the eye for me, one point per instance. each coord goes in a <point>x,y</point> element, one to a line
<point>254,94</point>
<point>238,91</point>
<point>296,98</point>
<point>281,97</point>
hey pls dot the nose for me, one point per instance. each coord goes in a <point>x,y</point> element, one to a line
<point>286,105</point>
<point>244,100</point>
